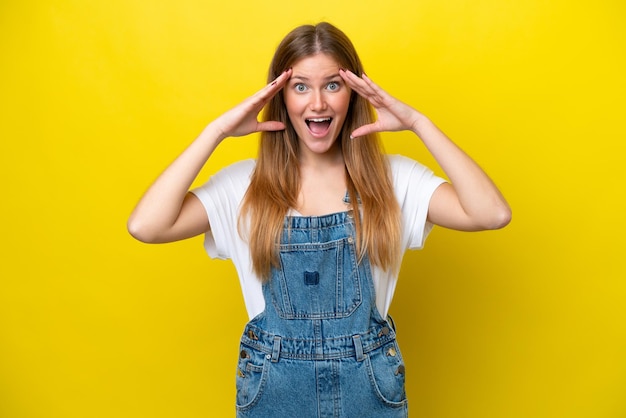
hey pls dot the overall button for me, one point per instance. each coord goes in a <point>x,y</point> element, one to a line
<point>244,354</point>
<point>384,331</point>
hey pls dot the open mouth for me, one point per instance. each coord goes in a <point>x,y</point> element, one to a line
<point>318,126</point>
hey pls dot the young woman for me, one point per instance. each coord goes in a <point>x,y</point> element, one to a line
<point>316,227</point>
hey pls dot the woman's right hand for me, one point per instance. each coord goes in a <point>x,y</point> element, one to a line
<point>243,119</point>
<point>167,211</point>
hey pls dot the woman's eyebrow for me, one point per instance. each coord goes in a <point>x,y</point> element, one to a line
<point>304,78</point>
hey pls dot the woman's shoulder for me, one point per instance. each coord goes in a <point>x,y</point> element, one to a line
<point>240,167</point>
<point>398,159</point>
<point>408,173</point>
<point>400,164</point>
<point>241,170</point>
<point>233,177</point>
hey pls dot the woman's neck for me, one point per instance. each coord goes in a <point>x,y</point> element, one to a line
<point>322,184</point>
<point>316,161</point>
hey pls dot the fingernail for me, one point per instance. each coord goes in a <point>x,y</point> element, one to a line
<point>273,83</point>
<point>351,137</point>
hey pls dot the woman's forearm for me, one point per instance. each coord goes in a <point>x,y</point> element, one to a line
<point>478,196</point>
<point>160,207</point>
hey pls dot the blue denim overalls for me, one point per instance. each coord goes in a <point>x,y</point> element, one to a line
<point>320,348</point>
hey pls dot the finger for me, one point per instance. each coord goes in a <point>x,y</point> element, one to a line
<point>364,87</point>
<point>261,97</point>
<point>375,87</point>
<point>353,81</point>
<point>280,81</point>
<point>364,130</point>
<point>270,126</point>
<point>258,100</point>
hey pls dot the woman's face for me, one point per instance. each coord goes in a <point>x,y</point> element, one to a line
<point>317,101</point>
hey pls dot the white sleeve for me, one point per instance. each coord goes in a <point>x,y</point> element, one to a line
<point>221,196</point>
<point>414,185</point>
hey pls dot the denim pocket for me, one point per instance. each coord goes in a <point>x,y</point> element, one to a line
<point>317,280</point>
<point>387,374</point>
<point>251,377</point>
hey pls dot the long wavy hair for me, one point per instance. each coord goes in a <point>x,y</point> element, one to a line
<point>275,182</point>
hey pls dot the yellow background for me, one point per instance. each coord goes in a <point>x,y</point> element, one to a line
<point>99,96</point>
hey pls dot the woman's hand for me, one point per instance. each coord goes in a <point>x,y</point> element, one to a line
<point>167,211</point>
<point>393,115</point>
<point>243,119</point>
<point>472,201</point>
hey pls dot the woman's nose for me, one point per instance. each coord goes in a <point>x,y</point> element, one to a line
<point>318,102</point>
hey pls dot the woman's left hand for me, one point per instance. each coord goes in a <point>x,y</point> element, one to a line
<point>393,115</point>
<point>471,202</point>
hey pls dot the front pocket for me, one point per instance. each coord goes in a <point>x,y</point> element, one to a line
<point>251,377</point>
<point>387,374</point>
<point>316,281</point>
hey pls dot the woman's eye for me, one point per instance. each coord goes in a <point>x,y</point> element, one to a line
<point>332,86</point>
<point>300,87</point>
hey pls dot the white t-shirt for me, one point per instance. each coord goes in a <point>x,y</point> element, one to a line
<point>221,196</point>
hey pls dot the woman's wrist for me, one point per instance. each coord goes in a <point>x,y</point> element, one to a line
<point>214,133</point>
<point>420,124</point>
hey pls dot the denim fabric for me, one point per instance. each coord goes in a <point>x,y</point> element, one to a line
<point>320,348</point>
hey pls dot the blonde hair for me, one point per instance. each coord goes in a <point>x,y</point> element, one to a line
<point>275,182</point>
